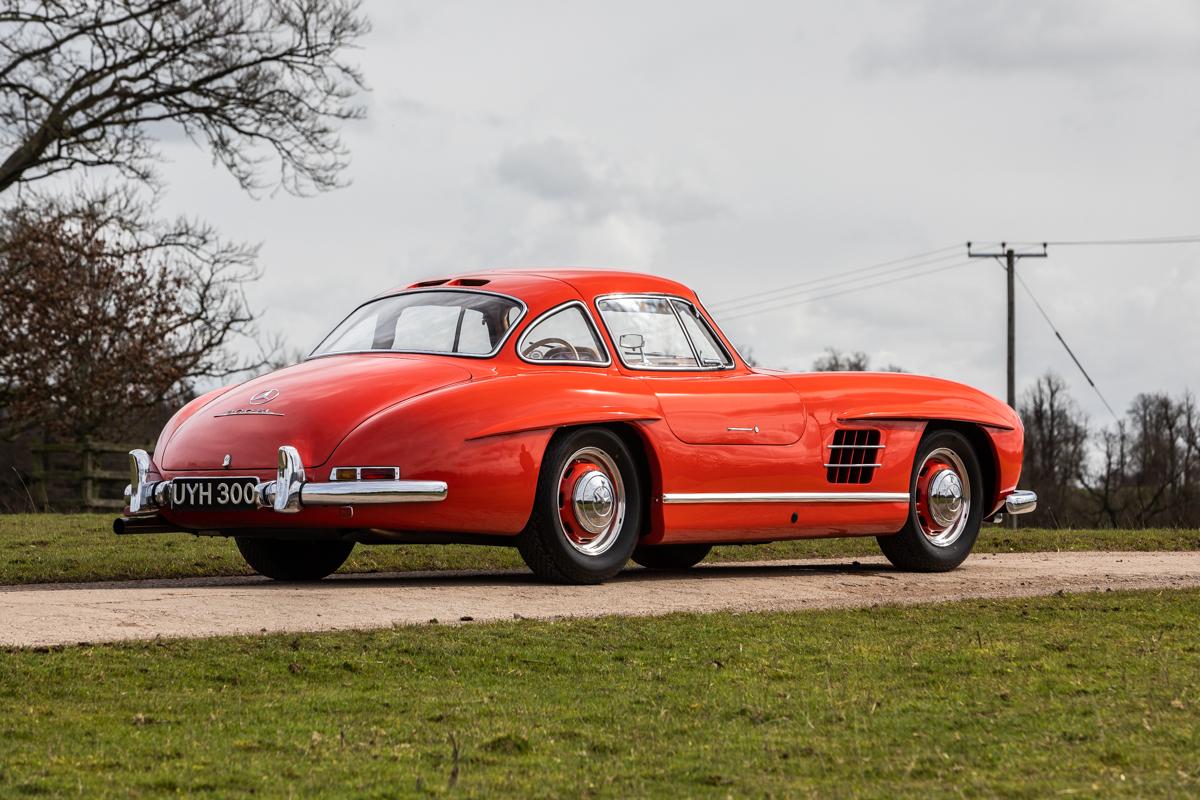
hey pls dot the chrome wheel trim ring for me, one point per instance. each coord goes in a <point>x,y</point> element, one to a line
<point>592,508</point>
<point>942,497</point>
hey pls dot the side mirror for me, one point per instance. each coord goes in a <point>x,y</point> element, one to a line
<point>631,342</point>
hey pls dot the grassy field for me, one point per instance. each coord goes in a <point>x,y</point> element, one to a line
<point>1095,695</point>
<point>37,548</point>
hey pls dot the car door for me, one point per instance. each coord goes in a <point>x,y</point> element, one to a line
<point>705,398</point>
<point>729,409</point>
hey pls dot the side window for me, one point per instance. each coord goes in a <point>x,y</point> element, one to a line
<point>647,332</point>
<point>445,329</point>
<point>564,336</point>
<point>708,347</point>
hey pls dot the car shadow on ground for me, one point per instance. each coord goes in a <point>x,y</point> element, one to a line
<point>453,578</point>
<point>632,575</point>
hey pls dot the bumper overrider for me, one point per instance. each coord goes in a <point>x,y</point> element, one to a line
<point>1020,502</point>
<point>288,493</point>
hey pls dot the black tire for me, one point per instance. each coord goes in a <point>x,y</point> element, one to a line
<point>546,545</point>
<point>294,559</point>
<point>914,549</point>
<point>671,556</point>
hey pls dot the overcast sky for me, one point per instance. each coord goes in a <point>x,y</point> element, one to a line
<point>745,146</point>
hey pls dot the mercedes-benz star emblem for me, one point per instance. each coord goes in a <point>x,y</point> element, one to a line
<point>265,396</point>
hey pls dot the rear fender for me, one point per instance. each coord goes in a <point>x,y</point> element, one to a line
<point>486,439</point>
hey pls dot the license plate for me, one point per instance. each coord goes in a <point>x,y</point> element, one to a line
<point>214,494</point>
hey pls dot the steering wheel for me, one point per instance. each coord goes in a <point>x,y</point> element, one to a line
<point>551,340</point>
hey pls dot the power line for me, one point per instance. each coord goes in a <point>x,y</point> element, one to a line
<point>804,301</point>
<point>1185,239</point>
<point>1066,346</point>
<point>829,276</point>
<point>827,283</point>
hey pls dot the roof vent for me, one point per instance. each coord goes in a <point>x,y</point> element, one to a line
<point>854,456</point>
<point>469,282</point>
<point>423,284</point>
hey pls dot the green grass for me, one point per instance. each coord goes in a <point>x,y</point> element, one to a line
<point>37,548</point>
<point>1093,695</point>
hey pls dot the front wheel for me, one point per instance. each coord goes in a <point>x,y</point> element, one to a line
<point>945,509</point>
<point>587,511</point>
<point>294,559</point>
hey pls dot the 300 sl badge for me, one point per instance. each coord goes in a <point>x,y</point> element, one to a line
<point>250,412</point>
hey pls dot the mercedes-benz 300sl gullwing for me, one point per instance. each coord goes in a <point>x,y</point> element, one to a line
<point>584,417</point>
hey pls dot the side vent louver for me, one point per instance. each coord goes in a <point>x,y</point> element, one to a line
<point>854,456</point>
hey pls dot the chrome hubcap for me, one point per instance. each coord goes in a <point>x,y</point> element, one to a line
<point>943,497</point>
<point>591,501</point>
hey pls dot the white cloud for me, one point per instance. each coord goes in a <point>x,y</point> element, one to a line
<point>1084,38</point>
<point>581,202</point>
<point>738,148</point>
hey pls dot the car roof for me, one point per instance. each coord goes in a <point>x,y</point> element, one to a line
<point>540,283</point>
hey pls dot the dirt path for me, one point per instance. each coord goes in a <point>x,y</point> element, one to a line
<point>67,614</point>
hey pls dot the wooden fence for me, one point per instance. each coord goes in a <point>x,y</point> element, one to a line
<point>88,474</point>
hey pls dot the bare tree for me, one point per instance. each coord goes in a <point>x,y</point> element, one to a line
<point>1105,483</point>
<point>1149,470</point>
<point>85,83</point>
<point>747,354</point>
<point>1164,457</point>
<point>1056,436</point>
<point>109,315</point>
<point>835,360</point>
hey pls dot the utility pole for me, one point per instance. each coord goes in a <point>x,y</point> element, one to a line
<point>1010,257</point>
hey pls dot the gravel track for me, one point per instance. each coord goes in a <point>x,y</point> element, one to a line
<point>62,614</point>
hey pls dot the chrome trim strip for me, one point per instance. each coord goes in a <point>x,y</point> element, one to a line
<point>669,297</point>
<point>1020,502</point>
<point>848,466</point>
<point>354,493</point>
<point>786,497</point>
<point>463,289</point>
<point>857,446</point>
<point>587,314</point>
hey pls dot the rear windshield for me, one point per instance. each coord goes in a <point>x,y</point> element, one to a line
<point>439,321</point>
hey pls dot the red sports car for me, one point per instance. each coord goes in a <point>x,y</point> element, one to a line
<point>584,417</point>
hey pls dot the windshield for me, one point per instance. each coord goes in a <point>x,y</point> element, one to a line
<point>441,321</point>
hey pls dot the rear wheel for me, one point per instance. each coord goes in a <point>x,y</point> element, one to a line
<point>671,556</point>
<point>945,509</point>
<point>587,510</point>
<point>294,559</point>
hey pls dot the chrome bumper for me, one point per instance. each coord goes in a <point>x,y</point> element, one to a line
<point>288,493</point>
<point>1021,502</point>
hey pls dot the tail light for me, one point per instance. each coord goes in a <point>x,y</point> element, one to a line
<point>365,474</point>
